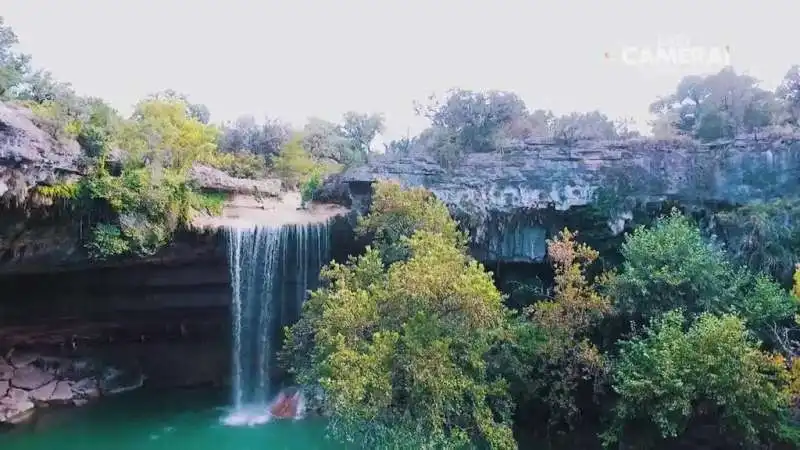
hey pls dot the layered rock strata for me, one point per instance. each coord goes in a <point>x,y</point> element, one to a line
<point>511,201</point>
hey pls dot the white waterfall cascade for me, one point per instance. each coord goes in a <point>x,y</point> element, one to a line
<point>271,270</point>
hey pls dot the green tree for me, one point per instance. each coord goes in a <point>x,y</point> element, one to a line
<point>670,378</point>
<point>788,93</point>
<point>566,358</point>
<point>406,346</point>
<point>14,66</point>
<point>716,106</point>
<point>474,119</point>
<point>360,130</point>
<point>196,111</point>
<point>400,350</point>
<point>293,164</point>
<point>396,213</point>
<point>325,140</point>
<point>671,265</point>
<point>163,133</point>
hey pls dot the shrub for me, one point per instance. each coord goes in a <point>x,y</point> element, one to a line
<point>138,210</point>
<point>54,118</point>
<point>566,358</point>
<point>62,191</point>
<point>671,266</point>
<point>309,188</point>
<point>93,140</point>
<point>396,212</point>
<point>107,241</point>
<point>240,165</point>
<point>669,376</point>
<point>763,236</point>
<point>293,165</point>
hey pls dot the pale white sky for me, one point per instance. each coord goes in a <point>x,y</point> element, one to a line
<point>298,58</point>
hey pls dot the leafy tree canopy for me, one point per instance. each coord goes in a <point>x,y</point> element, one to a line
<point>403,346</point>
<point>671,376</point>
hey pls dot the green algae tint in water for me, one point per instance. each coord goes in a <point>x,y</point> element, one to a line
<point>189,420</point>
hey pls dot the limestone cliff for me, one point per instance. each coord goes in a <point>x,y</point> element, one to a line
<point>511,201</point>
<point>34,237</point>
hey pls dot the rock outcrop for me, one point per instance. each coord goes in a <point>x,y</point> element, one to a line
<point>29,156</point>
<point>35,237</point>
<point>511,201</point>
<point>37,381</point>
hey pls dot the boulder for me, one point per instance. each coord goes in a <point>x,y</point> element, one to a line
<point>6,370</point>
<point>30,377</point>
<point>62,394</point>
<point>20,360</point>
<point>85,389</point>
<point>16,407</point>
<point>4,385</point>
<point>15,396</point>
<point>41,396</point>
<point>213,179</point>
<point>286,405</point>
<point>17,413</point>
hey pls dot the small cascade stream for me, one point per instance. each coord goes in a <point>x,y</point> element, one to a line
<point>272,270</point>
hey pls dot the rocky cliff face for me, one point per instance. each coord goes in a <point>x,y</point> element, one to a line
<point>36,237</point>
<point>29,156</point>
<point>512,201</point>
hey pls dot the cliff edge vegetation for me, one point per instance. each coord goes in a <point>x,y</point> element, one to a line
<point>137,182</point>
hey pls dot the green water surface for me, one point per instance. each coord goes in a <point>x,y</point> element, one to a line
<point>184,420</point>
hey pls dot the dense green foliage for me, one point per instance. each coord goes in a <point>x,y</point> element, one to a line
<point>411,343</point>
<point>133,205</point>
<point>566,359</point>
<point>397,213</point>
<point>299,169</point>
<point>671,376</point>
<point>763,236</point>
<point>400,348</point>
<point>672,266</point>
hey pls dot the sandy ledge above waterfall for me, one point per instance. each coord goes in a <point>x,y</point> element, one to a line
<point>245,211</point>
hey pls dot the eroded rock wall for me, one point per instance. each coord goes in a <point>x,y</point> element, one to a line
<point>511,201</point>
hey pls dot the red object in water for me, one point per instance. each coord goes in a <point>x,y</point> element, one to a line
<point>285,406</point>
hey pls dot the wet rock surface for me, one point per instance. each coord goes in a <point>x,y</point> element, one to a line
<point>6,370</point>
<point>37,381</point>
<point>30,377</point>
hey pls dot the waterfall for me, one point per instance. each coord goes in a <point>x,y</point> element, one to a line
<point>271,271</point>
